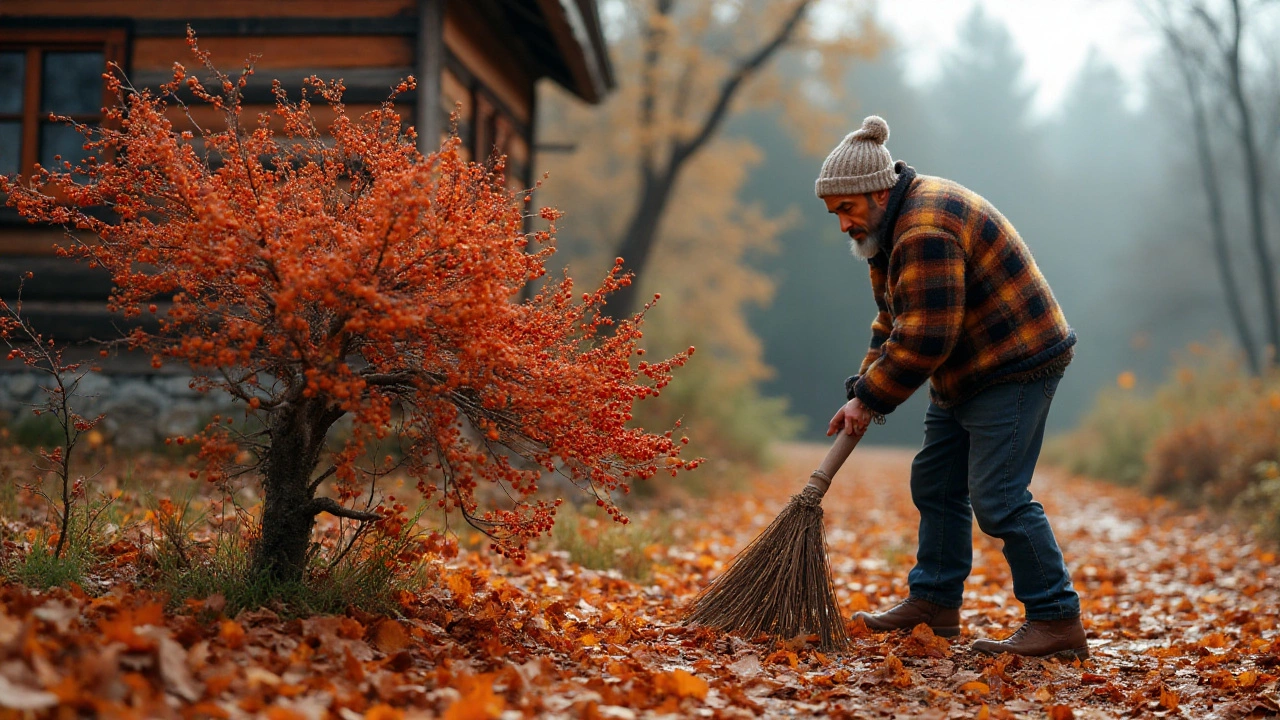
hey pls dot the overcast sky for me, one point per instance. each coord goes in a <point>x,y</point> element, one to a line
<point>1053,35</point>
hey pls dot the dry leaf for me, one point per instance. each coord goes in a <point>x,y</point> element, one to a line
<point>478,701</point>
<point>172,659</point>
<point>685,684</point>
<point>1061,712</point>
<point>16,697</point>
<point>390,637</point>
<point>232,634</point>
<point>746,667</point>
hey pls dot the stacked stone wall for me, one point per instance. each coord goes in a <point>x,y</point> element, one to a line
<point>141,410</point>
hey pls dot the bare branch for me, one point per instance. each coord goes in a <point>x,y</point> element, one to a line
<point>316,483</point>
<point>331,506</point>
<point>729,89</point>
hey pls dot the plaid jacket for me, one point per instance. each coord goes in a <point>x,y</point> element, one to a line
<point>961,301</point>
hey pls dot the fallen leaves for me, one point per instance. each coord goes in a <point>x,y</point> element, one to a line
<point>684,684</point>
<point>549,638</point>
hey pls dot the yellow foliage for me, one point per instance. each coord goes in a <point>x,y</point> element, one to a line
<point>670,71</point>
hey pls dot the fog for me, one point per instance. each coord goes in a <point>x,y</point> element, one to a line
<point>1107,193</point>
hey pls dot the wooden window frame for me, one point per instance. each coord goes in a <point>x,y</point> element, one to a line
<point>37,41</point>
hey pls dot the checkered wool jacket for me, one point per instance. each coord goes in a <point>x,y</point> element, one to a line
<point>962,303</point>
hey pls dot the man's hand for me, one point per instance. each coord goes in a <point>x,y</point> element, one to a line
<point>853,417</point>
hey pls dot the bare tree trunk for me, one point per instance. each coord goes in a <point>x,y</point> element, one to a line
<point>638,242</point>
<point>1254,187</point>
<point>657,182</point>
<point>1213,195</point>
<point>290,507</point>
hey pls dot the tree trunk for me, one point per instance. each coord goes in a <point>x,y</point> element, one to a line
<point>637,244</point>
<point>656,185</point>
<point>1217,218</point>
<point>290,508</point>
<point>1254,188</point>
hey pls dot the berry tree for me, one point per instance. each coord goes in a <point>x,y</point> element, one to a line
<point>320,273</point>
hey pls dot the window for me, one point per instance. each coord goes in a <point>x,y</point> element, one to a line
<point>43,72</point>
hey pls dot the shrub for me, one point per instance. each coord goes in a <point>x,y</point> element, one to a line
<point>1200,437</point>
<point>1111,440</point>
<point>1260,503</point>
<point>1212,460</point>
<point>320,273</point>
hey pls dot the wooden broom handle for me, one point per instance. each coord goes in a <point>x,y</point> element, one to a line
<point>840,449</point>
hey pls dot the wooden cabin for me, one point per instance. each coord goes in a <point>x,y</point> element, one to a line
<point>486,55</point>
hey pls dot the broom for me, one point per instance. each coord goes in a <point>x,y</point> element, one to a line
<point>780,584</point>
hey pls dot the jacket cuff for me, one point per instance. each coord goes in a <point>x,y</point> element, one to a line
<point>848,386</point>
<point>873,403</point>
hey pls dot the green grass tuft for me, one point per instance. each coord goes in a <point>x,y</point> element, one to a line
<point>602,544</point>
<point>39,569</point>
<point>367,578</point>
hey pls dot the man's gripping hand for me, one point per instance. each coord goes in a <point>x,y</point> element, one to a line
<point>853,417</point>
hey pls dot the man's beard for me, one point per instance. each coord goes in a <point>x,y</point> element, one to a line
<point>867,247</point>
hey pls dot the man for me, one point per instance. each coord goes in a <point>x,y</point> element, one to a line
<point>963,305</point>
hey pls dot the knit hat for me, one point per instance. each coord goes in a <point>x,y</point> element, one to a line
<point>860,163</point>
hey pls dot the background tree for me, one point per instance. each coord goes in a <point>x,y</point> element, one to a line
<point>1211,45</point>
<point>704,241</point>
<point>689,65</point>
<point>322,273</point>
<point>1191,65</point>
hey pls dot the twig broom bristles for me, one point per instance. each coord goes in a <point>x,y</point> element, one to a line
<point>781,584</point>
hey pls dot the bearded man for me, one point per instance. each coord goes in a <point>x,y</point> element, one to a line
<point>962,305</point>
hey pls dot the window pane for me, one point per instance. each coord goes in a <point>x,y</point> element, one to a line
<point>13,70</point>
<point>10,147</point>
<point>72,83</point>
<point>59,139</point>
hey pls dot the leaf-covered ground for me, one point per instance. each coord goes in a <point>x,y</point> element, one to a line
<point>1181,611</point>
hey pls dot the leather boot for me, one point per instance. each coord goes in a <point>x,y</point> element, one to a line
<point>1063,639</point>
<point>909,613</point>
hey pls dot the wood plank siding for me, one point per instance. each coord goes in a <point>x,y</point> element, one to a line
<point>482,57</point>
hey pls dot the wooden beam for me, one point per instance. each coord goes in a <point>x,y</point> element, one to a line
<point>431,60</point>
<point>568,27</point>
<point>226,26</point>
<point>53,278</point>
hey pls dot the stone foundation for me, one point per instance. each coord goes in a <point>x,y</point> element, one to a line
<point>141,410</point>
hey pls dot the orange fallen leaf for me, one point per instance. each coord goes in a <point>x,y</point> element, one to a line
<point>390,637</point>
<point>1061,712</point>
<point>232,633</point>
<point>478,701</point>
<point>1168,698</point>
<point>685,684</point>
<point>894,672</point>
<point>383,712</point>
<point>460,586</point>
<point>976,686</point>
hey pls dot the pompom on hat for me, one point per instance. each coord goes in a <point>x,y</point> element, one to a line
<point>860,163</point>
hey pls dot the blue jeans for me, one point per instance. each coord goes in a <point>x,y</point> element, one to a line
<point>978,458</point>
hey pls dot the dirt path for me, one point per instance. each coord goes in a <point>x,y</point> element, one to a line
<point>1181,611</point>
<point>1182,616</point>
